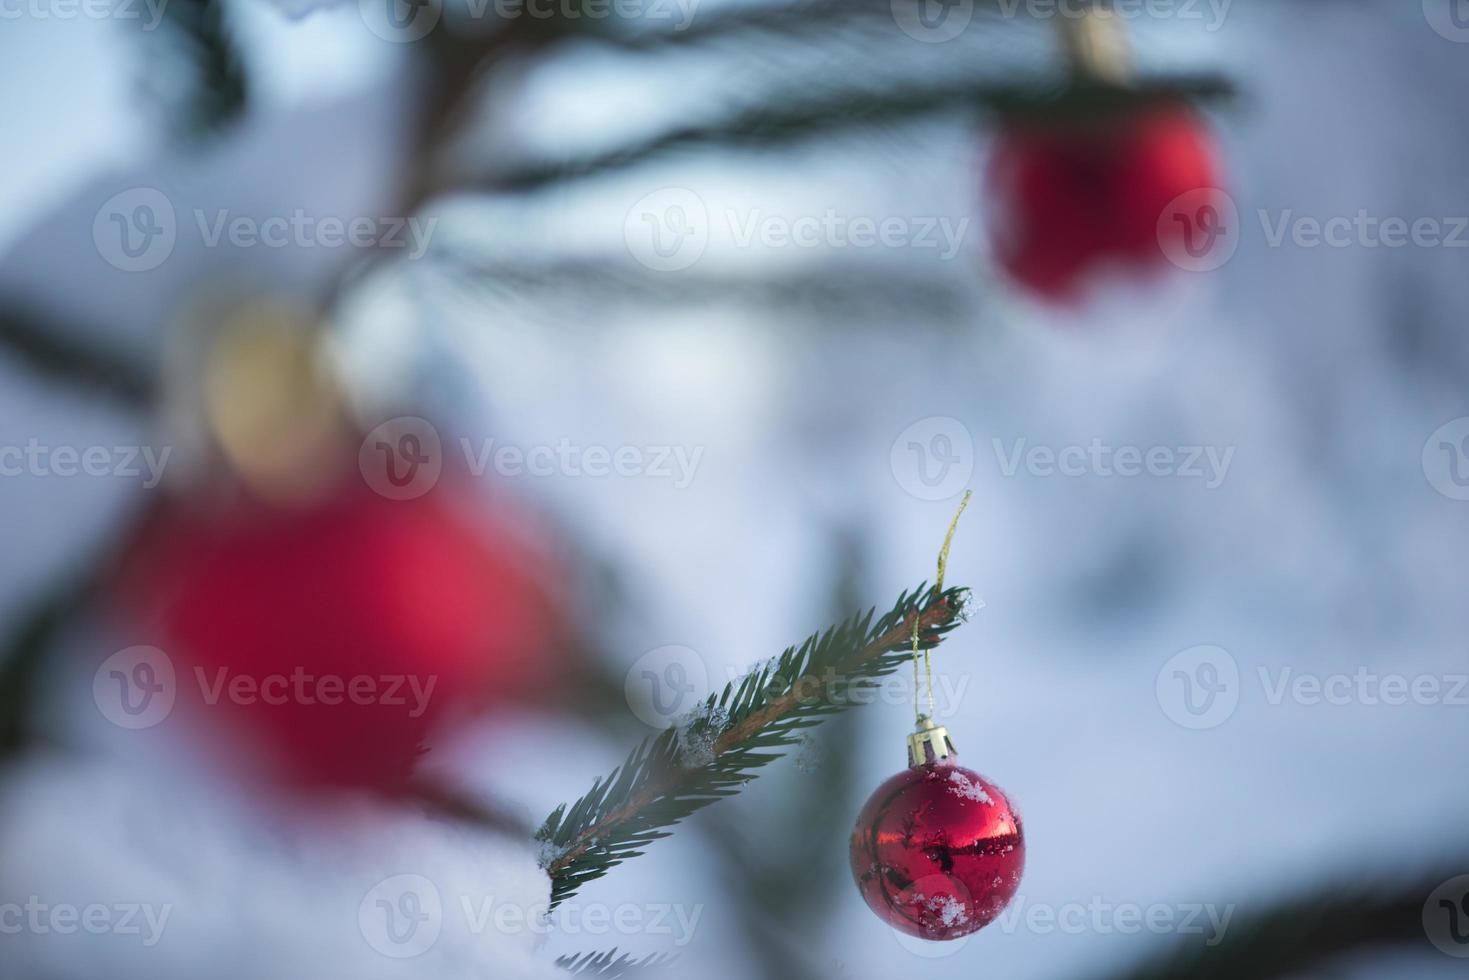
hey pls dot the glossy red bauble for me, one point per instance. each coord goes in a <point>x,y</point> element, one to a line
<point>335,636</point>
<point>1072,201</point>
<point>938,851</point>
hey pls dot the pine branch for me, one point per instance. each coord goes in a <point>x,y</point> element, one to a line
<point>610,964</point>
<point>767,126</point>
<point>1305,933</point>
<point>722,744</point>
<point>48,349</point>
<point>774,854</point>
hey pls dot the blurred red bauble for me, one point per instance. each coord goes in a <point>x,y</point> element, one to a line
<point>938,851</point>
<point>337,634</point>
<point>1074,200</point>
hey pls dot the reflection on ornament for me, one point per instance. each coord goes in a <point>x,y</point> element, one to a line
<point>938,850</point>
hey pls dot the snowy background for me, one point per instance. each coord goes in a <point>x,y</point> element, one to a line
<point>1331,544</point>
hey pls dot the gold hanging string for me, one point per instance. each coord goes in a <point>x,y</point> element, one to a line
<point>938,589</point>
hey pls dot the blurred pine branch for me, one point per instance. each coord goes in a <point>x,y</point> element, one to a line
<point>722,745</point>
<point>795,120</point>
<point>1305,934</point>
<point>55,351</point>
<point>200,71</point>
<point>844,295</point>
<point>23,653</point>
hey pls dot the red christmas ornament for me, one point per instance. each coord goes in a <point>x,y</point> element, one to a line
<point>938,850</point>
<point>1072,201</point>
<point>337,635</point>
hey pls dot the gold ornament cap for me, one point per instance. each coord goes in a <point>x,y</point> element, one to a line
<point>1097,45</point>
<point>929,743</point>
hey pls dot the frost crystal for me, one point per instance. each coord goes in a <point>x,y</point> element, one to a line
<point>968,606</point>
<point>811,754</point>
<point>950,910</point>
<point>548,853</point>
<point>698,734</point>
<point>963,786</point>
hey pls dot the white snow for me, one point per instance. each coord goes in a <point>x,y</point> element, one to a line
<point>961,785</point>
